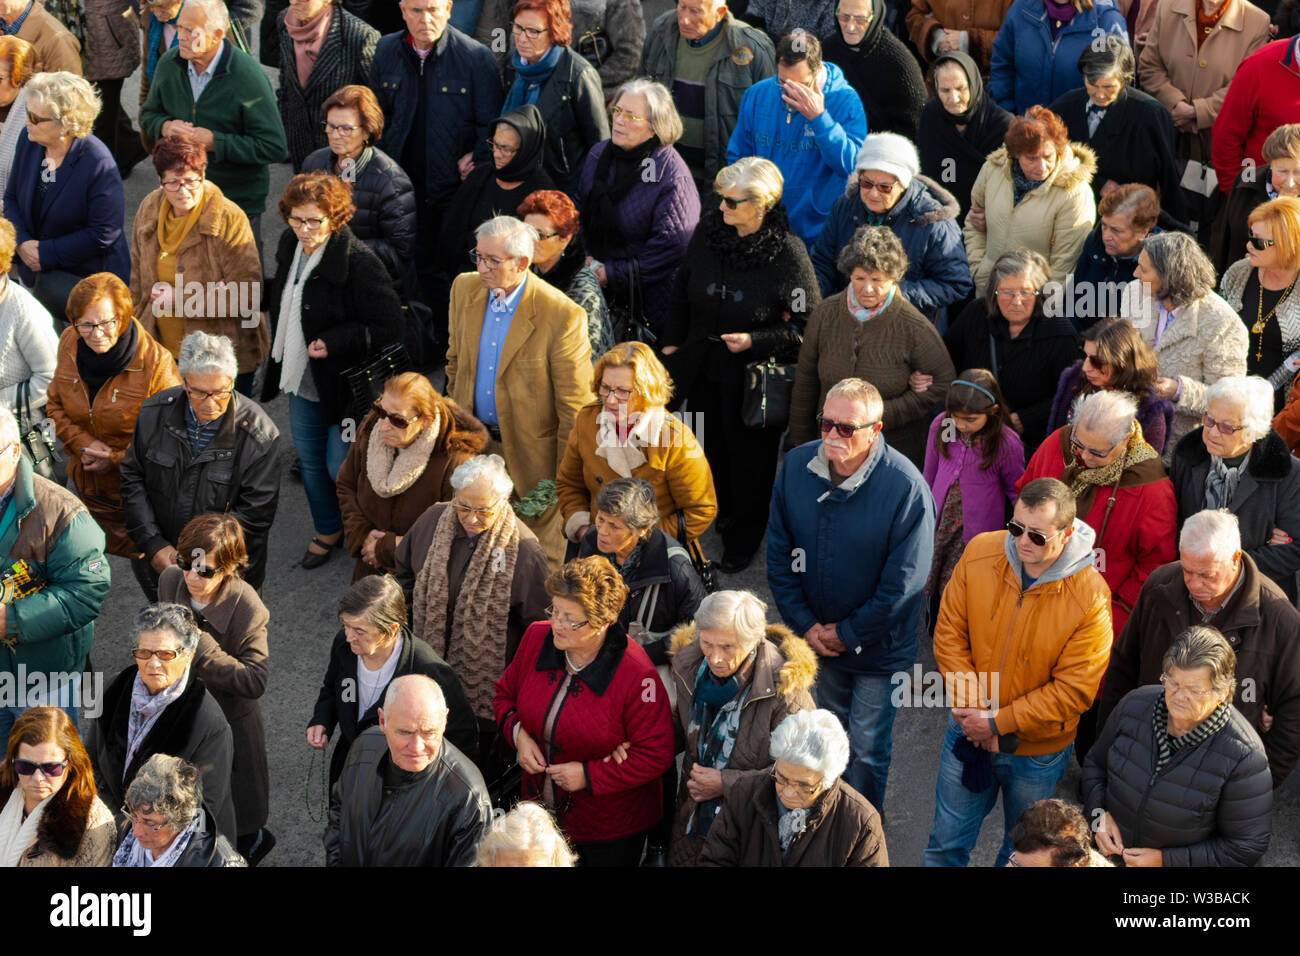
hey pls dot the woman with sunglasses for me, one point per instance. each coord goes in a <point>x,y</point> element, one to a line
<point>159,706</point>
<point>399,465</point>
<point>231,659</point>
<point>50,811</point>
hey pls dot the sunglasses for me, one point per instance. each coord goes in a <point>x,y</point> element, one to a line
<point>1035,537</point>
<point>1259,243</point>
<point>733,203</point>
<point>25,768</point>
<point>843,429</point>
<point>185,564</point>
<point>140,654</point>
<point>397,421</point>
<point>1223,428</point>
<point>867,186</point>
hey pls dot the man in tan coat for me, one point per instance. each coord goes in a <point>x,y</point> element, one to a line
<point>56,48</point>
<point>518,356</point>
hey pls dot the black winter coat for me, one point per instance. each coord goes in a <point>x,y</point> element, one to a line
<point>1211,805</point>
<point>192,727</point>
<point>349,303</point>
<point>956,158</point>
<point>336,704</point>
<point>886,77</point>
<point>164,484</point>
<point>1228,240</point>
<point>434,818</point>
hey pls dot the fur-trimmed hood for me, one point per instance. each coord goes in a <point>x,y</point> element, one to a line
<point>796,671</point>
<point>1075,168</point>
<point>923,203</point>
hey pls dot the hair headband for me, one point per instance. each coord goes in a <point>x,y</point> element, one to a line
<point>978,388</point>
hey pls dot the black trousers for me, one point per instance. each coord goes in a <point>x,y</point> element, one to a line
<point>113,127</point>
<point>625,852</point>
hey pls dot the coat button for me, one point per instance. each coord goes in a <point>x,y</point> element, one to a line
<point>965,16</point>
<point>1203,63</point>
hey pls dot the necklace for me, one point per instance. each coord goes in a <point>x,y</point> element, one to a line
<point>1261,320</point>
<point>574,667</point>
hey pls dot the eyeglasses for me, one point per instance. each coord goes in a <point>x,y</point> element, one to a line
<point>220,394</point>
<point>1035,537</point>
<point>622,394</point>
<point>198,567</point>
<point>25,768</point>
<point>1258,243</point>
<point>867,186</point>
<point>486,262</point>
<point>1092,451</point>
<point>1011,860</point>
<point>1178,690</point>
<point>843,429</point>
<point>397,421</point>
<point>312,223</point>
<point>477,512</point>
<point>847,20</point>
<point>140,654</point>
<point>798,787</point>
<point>89,328</point>
<point>564,623</point>
<point>1094,361</point>
<point>733,203</point>
<point>188,183</point>
<point>137,821</point>
<point>343,128</point>
<point>501,147</point>
<point>1017,295</point>
<point>37,120</point>
<point>1223,428</point>
<point>617,111</point>
<point>531,32</point>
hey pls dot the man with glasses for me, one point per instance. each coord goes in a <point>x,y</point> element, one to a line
<point>197,448</point>
<point>850,539</point>
<point>1021,640</point>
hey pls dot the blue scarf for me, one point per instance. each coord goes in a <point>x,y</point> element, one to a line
<point>529,77</point>
<point>155,37</point>
<point>715,714</point>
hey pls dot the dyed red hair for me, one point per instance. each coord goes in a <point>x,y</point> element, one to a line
<point>555,206</point>
<point>558,19</point>
<point>1029,133</point>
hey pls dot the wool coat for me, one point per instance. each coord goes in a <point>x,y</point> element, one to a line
<point>977,20</point>
<point>55,48</point>
<point>112,47</point>
<point>1264,94</point>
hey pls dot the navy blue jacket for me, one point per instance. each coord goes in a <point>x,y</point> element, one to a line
<point>79,224</point>
<point>1104,276</point>
<point>463,97</point>
<point>857,555</point>
<point>925,221</point>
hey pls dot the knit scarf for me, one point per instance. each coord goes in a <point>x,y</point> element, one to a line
<point>475,648</point>
<point>308,38</point>
<point>626,456</point>
<point>131,853</point>
<point>1221,480</point>
<point>1167,746</point>
<point>155,40</point>
<point>529,77</point>
<point>600,229</point>
<point>1081,479</point>
<point>1058,16</point>
<point>790,825</point>
<point>1021,185</point>
<point>760,248</point>
<point>715,714</point>
<point>290,344</point>
<point>17,834</point>
<point>146,708</point>
<point>392,470</point>
<point>95,369</point>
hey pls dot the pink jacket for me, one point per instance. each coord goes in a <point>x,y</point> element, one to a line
<point>983,493</point>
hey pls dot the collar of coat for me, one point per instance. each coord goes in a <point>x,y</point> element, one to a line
<point>820,466</point>
<point>765,803</point>
<point>785,664</point>
<point>1075,167</point>
<point>600,672</point>
<point>63,823</point>
<point>1241,612</point>
<point>1270,459</point>
<point>461,435</point>
<point>1233,18</point>
<point>219,69</point>
<point>923,203</point>
<point>210,216</point>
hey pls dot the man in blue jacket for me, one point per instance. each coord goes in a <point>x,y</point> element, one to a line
<point>849,544</point>
<point>809,121</point>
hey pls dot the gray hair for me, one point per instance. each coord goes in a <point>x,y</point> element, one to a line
<point>814,739</point>
<point>664,118</point>
<point>630,500</point>
<point>1186,273</point>
<point>521,238</point>
<point>1110,413</point>
<point>859,390</point>
<point>1250,393</point>
<point>417,685</point>
<point>491,467</point>
<point>9,433</point>
<point>528,828</point>
<point>1014,265</point>
<point>1214,532</point>
<point>170,786</point>
<point>72,101</point>
<point>739,612</point>
<point>215,14</point>
<point>1110,57</point>
<point>378,600</point>
<point>176,618</point>
<point>1201,646</point>
<point>204,353</point>
<point>876,249</point>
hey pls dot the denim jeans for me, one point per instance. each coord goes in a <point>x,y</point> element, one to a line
<point>321,452</point>
<point>67,697</point>
<point>958,813</point>
<point>861,702</point>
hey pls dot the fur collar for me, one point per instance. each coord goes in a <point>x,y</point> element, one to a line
<point>1075,168</point>
<point>63,824</point>
<point>597,675</point>
<point>755,251</point>
<point>923,203</point>
<point>799,668</point>
<point>1270,459</point>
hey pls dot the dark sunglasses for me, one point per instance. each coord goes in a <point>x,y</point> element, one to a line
<point>1259,243</point>
<point>185,564</point>
<point>1035,537</point>
<point>733,203</point>
<point>843,429</point>
<point>25,768</point>
<point>397,421</point>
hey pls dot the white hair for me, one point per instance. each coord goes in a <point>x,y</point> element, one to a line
<point>491,467</point>
<point>201,352</point>
<point>417,684</point>
<point>1110,413</point>
<point>528,828</point>
<point>521,238</point>
<point>1213,532</point>
<point>8,427</point>
<point>215,14</point>
<point>739,612</point>
<point>1252,395</point>
<point>814,739</point>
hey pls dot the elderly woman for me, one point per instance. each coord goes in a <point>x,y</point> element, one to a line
<point>468,607</point>
<point>399,465</point>
<point>887,190</point>
<point>609,35</point>
<point>159,707</point>
<point>947,26</point>
<point>883,72</point>
<point>801,813</point>
<point>871,331</point>
<point>64,194</point>
<point>170,825</point>
<point>737,678</point>
<point>1179,769</point>
<point>1237,461</point>
<point>1114,359</point>
<point>629,434</point>
<point>28,342</point>
<point>50,813</point>
<point>558,259</point>
<point>1053,833</point>
<point>1126,215</point>
<point>1032,194</point>
<point>332,305</point>
<point>18,61</point>
<point>323,46</point>
<point>232,658</point>
<point>635,229</point>
<point>371,649</point>
<point>563,735</point>
<point>740,300</point>
<point>1250,190</point>
<point>194,264</point>
<point>564,87</point>
<point>960,125</point>
<point>107,366</point>
<point>526,836</point>
<point>1197,337</point>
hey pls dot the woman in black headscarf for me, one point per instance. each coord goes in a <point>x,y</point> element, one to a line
<point>517,143</point>
<point>877,65</point>
<point>960,126</point>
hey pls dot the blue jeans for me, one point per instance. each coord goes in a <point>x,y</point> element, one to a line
<point>66,697</point>
<point>861,702</point>
<point>958,813</point>
<point>321,452</point>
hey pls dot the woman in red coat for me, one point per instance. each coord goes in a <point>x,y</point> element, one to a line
<point>589,717</point>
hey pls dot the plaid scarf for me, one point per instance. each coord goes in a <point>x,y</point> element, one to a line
<point>715,714</point>
<point>1167,746</point>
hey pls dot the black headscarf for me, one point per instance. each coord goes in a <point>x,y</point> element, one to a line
<point>874,29</point>
<point>973,80</point>
<point>939,140</point>
<point>600,229</point>
<point>527,122</point>
<point>96,369</point>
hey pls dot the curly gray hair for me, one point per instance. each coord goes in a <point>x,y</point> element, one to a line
<point>1185,271</point>
<point>1250,394</point>
<point>1201,646</point>
<point>876,249</point>
<point>814,739</point>
<point>206,354</point>
<point>169,786</point>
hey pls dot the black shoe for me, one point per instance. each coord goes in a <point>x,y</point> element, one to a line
<point>735,563</point>
<point>263,843</point>
<point>311,559</point>
<point>656,857</point>
<point>295,471</point>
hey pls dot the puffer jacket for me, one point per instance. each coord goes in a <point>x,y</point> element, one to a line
<point>1211,804</point>
<point>778,684</point>
<point>925,221</point>
<point>112,47</point>
<point>1053,219</point>
<point>1154,414</point>
<point>110,419</point>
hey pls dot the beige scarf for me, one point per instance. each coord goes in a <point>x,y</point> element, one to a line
<point>392,470</point>
<point>477,648</point>
<point>625,458</point>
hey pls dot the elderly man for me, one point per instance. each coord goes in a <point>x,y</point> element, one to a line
<point>708,59</point>
<point>850,539</point>
<point>208,89</point>
<point>54,554</point>
<point>1214,582</point>
<point>407,797</point>
<point>56,49</point>
<point>519,358</point>
<point>197,448</point>
<point>1021,640</point>
<point>806,100</point>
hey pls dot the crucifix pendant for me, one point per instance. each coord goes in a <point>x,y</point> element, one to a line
<point>1257,328</point>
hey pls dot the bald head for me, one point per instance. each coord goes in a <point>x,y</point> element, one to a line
<point>413,719</point>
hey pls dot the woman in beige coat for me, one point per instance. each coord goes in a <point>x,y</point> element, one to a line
<point>1033,193</point>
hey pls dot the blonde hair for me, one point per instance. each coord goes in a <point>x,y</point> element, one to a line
<point>758,178</point>
<point>1282,216</point>
<point>528,827</point>
<point>1283,143</point>
<point>650,378</point>
<point>71,100</point>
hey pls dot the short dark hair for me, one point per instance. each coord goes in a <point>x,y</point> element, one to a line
<point>1042,490</point>
<point>797,46</point>
<point>1109,57</point>
<point>1054,825</point>
<point>180,154</point>
<point>361,99</point>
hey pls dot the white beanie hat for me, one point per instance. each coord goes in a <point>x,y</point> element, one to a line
<point>890,153</point>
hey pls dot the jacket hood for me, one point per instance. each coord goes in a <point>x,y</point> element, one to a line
<point>797,674</point>
<point>1075,168</point>
<point>923,203</point>
<point>1076,556</point>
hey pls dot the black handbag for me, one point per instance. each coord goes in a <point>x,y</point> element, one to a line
<point>706,569</point>
<point>768,386</point>
<point>37,438</point>
<point>366,381</point>
<point>593,46</point>
<point>628,320</point>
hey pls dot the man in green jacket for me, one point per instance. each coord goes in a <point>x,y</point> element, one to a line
<point>48,611</point>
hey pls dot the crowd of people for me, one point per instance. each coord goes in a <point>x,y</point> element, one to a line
<point>982,321</point>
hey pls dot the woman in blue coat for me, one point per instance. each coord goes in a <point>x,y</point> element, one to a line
<point>64,194</point>
<point>1036,53</point>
